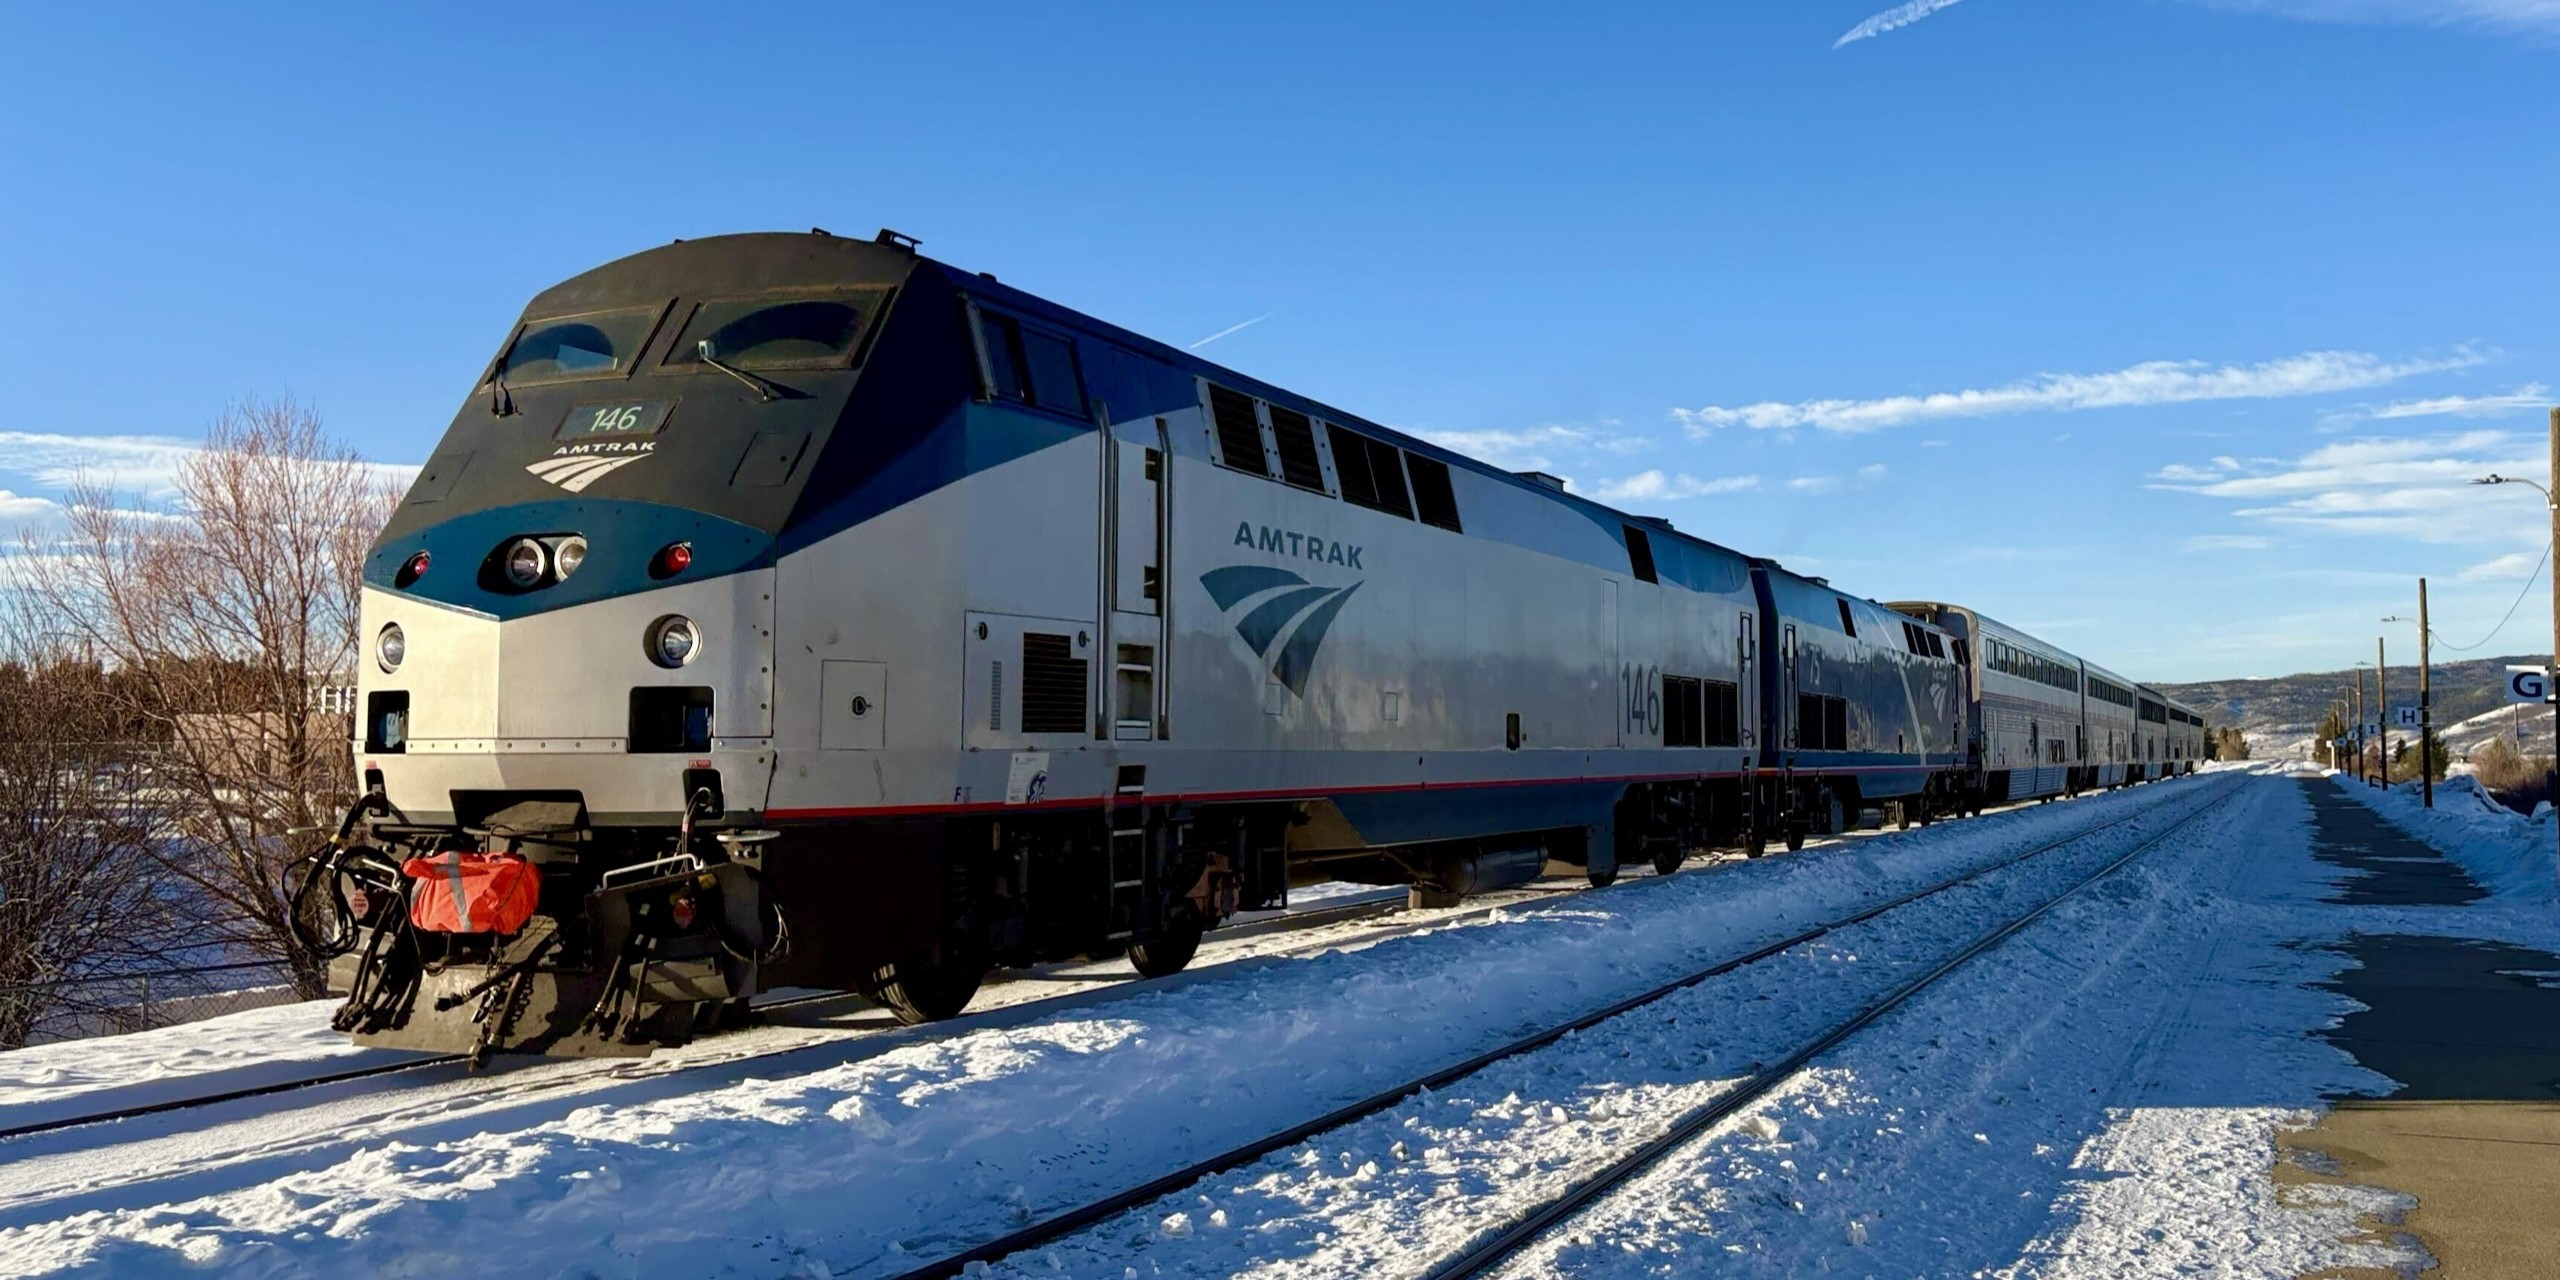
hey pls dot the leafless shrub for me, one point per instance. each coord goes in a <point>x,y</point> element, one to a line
<point>229,619</point>
<point>2516,779</point>
<point>79,879</point>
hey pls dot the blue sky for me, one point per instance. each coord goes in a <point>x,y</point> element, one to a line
<point>2166,329</point>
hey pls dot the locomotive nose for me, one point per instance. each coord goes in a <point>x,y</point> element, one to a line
<point>611,699</point>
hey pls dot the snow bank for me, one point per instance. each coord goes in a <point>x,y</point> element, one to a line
<point>2509,854</point>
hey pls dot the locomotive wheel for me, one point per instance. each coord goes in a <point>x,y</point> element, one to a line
<point>1601,879</point>
<point>1901,815</point>
<point>926,989</point>
<point>1756,844</point>
<point>1668,856</point>
<point>1795,837</point>
<point>1170,953</point>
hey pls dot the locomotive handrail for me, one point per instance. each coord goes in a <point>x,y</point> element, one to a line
<point>681,861</point>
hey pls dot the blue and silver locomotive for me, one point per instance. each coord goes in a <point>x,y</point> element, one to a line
<point>794,610</point>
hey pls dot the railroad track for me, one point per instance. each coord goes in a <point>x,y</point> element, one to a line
<point>1315,918</point>
<point>1503,1244</point>
<point>1304,921</point>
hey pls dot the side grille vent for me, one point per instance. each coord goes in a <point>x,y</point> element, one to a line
<point>1297,440</point>
<point>1053,684</point>
<point>1239,435</point>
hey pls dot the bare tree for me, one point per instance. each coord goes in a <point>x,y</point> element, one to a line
<point>78,876</point>
<point>229,617</point>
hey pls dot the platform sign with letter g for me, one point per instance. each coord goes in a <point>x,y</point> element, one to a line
<point>2528,684</point>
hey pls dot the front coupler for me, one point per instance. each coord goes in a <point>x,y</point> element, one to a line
<point>612,963</point>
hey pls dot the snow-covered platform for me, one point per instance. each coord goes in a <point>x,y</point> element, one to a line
<point>2467,1026</point>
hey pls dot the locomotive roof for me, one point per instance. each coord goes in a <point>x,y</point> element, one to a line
<point>757,261</point>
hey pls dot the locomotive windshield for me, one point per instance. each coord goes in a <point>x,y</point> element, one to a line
<point>584,346</point>
<point>799,333</point>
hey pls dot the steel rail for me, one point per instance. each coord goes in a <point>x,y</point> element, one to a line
<point>1511,1239</point>
<point>1086,1215</point>
<point>1315,918</point>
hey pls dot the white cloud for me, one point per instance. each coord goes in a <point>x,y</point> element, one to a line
<point>22,512</point>
<point>145,463</point>
<point>1537,448</point>
<point>2532,395</point>
<point>2229,542</point>
<point>2514,566</point>
<point>2413,487</point>
<point>2154,382</point>
<point>2364,463</point>
<point>2510,15</point>
<point>1655,486</point>
<point>1866,475</point>
<point>1933,444</point>
<point>1893,19</point>
<point>144,467</point>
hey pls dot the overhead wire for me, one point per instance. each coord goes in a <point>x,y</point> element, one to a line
<point>2511,609</point>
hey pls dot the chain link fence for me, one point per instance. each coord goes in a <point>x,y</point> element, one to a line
<point>138,1000</point>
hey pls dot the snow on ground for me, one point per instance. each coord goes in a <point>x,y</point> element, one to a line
<point>1393,1194</point>
<point>236,1051</point>
<point>2099,1096</point>
<point>2512,856</point>
<point>861,1159</point>
<point>2075,1103</point>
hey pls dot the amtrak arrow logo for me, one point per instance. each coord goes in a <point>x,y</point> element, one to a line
<point>576,473</point>
<point>1285,598</point>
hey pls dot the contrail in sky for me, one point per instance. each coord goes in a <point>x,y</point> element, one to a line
<point>1254,321</point>
<point>1893,19</point>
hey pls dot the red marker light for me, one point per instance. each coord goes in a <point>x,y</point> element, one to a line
<point>674,558</point>
<point>414,569</point>
<point>680,910</point>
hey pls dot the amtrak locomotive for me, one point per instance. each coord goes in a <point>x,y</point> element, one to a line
<point>792,610</point>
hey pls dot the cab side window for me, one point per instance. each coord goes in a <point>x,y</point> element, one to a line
<point>1030,365</point>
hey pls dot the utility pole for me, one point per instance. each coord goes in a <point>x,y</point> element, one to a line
<point>2550,499</point>
<point>2355,733</point>
<point>2382,712</point>
<point>2426,717</point>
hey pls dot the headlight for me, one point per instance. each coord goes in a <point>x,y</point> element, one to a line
<point>571,553</point>
<point>525,562</point>
<point>673,641</point>
<point>390,647</point>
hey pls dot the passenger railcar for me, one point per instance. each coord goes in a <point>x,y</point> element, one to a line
<point>786,610</point>
<point>2153,748</point>
<point>2186,737</point>
<point>2026,718</point>
<point>2109,713</point>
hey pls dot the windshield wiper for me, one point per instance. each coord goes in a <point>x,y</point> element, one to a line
<point>501,404</point>
<point>765,388</point>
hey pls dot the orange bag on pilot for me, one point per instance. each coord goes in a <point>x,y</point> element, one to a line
<point>472,892</point>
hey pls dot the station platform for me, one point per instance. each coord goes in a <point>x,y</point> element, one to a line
<point>2471,1030</point>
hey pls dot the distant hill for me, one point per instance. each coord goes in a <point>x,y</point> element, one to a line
<point>2279,714</point>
